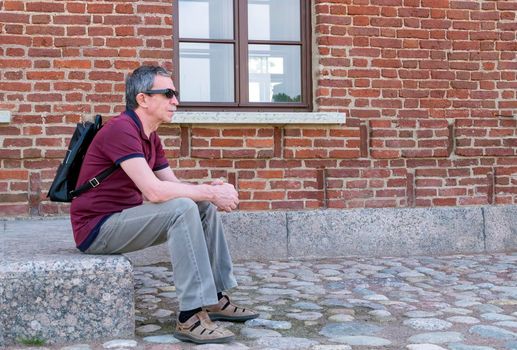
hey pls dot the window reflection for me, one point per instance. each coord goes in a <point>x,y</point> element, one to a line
<point>206,72</point>
<point>206,19</point>
<point>274,73</point>
<point>274,20</point>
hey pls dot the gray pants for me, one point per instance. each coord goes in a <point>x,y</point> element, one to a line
<point>195,238</point>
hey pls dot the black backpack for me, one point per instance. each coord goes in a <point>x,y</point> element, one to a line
<point>63,188</point>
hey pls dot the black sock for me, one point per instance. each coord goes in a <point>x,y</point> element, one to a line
<point>185,315</point>
<point>219,295</point>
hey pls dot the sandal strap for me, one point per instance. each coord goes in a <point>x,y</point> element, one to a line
<point>200,329</point>
<point>229,303</point>
<point>197,320</point>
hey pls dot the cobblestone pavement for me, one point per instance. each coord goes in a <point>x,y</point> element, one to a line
<point>417,303</point>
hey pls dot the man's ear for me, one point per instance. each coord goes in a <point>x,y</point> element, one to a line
<point>141,100</point>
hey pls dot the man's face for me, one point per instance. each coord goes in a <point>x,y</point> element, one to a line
<point>159,106</point>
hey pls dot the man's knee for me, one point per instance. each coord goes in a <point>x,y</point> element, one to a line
<point>206,206</point>
<point>181,205</point>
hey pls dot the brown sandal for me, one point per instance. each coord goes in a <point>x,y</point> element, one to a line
<point>200,330</point>
<point>225,310</point>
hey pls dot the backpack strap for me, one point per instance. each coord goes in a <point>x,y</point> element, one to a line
<point>93,182</point>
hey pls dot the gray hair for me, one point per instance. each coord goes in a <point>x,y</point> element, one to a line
<point>140,80</point>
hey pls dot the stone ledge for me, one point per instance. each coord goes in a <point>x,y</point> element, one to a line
<point>365,232</point>
<point>258,118</point>
<point>388,232</point>
<point>500,228</point>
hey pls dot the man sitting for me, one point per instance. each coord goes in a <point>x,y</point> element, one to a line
<point>112,218</point>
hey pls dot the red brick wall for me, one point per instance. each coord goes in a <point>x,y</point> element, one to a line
<point>429,88</point>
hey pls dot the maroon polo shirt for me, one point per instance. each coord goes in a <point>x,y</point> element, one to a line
<point>120,139</point>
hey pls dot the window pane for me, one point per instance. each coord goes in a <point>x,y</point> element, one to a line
<point>206,19</point>
<point>274,73</point>
<point>206,72</point>
<point>274,20</point>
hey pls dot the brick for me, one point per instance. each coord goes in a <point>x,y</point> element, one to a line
<point>45,7</point>
<point>252,185</point>
<point>241,153</point>
<point>14,86</point>
<point>74,7</point>
<point>121,20</point>
<point>49,142</point>
<point>110,76</point>
<point>250,164</point>
<point>287,205</point>
<point>99,8</point>
<point>14,5</point>
<point>37,52</point>
<point>285,185</point>
<point>7,17</point>
<point>9,209</point>
<point>255,205</point>
<point>386,22</point>
<point>45,75</point>
<point>363,10</point>
<point>72,19</point>
<point>99,52</point>
<point>259,143</point>
<point>67,42</point>
<point>13,174</point>
<point>270,174</point>
<point>124,42</point>
<point>226,143</point>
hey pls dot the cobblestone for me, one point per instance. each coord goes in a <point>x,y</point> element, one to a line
<point>416,303</point>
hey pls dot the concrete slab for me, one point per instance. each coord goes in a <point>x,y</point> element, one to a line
<point>385,232</point>
<point>500,228</point>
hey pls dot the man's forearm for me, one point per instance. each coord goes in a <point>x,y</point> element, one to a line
<point>175,189</point>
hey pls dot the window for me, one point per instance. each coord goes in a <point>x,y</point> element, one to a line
<point>243,54</point>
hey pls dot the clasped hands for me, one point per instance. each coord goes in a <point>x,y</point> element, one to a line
<point>226,197</point>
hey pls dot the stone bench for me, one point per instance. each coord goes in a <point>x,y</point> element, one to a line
<point>51,291</point>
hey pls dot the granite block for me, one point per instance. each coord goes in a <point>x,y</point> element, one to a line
<point>67,299</point>
<point>500,228</point>
<point>256,235</point>
<point>50,290</point>
<point>385,232</point>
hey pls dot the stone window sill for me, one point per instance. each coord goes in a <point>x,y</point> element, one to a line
<point>270,118</point>
<point>238,118</point>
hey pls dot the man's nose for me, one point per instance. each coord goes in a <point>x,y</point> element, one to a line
<point>174,101</point>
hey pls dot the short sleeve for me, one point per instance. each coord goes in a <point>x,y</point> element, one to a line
<point>161,161</point>
<point>123,140</point>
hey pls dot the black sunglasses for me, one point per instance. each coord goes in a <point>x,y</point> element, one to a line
<point>169,93</point>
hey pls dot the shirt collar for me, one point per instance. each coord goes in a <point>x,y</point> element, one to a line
<point>132,114</point>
